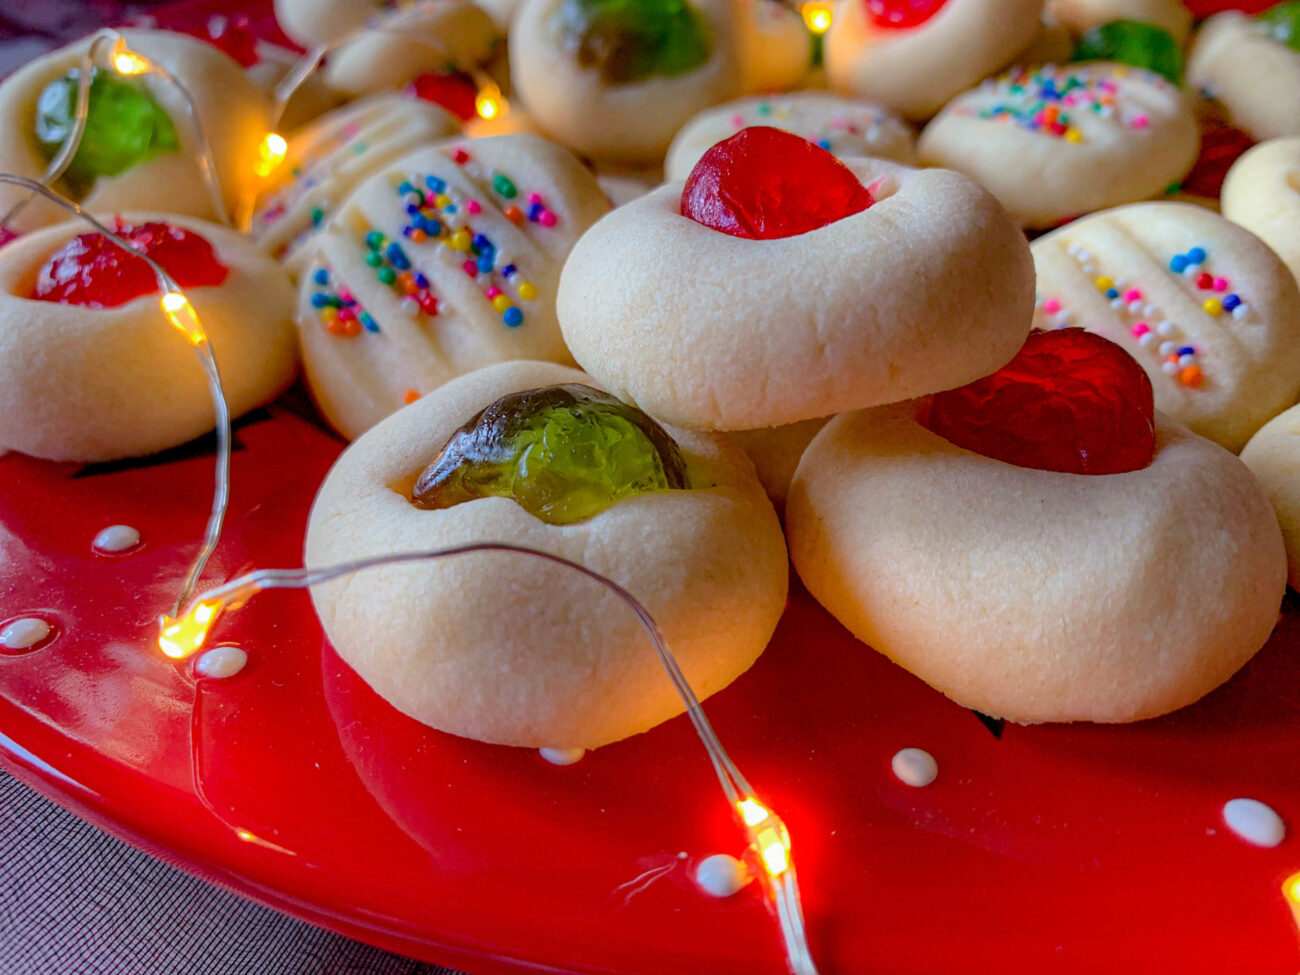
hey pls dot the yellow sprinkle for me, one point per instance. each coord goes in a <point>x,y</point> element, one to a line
<point>1073,135</point>
<point>1104,283</point>
<point>500,302</point>
<point>442,200</point>
<point>1213,307</point>
<point>1120,72</point>
<point>527,291</point>
<point>460,240</point>
<point>329,313</point>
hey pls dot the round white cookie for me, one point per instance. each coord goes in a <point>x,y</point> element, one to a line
<point>929,288</point>
<point>916,70</point>
<point>1273,456</point>
<point>843,126</point>
<point>313,23</point>
<point>1204,307</point>
<point>94,384</point>
<point>388,309</point>
<point>777,51</point>
<point>1255,77</point>
<point>450,35</point>
<point>513,650</point>
<point>326,161</point>
<point>776,451</point>
<point>312,99</point>
<point>629,122</point>
<point>230,108</point>
<point>1074,597</point>
<point>1109,134</point>
<point>1081,16</point>
<point>1262,194</point>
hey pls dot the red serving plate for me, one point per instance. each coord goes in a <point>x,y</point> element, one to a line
<point>1079,849</point>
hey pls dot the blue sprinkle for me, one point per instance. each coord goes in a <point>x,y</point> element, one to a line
<point>481,243</point>
<point>412,208</point>
<point>509,270</point>
<point>319,300</point>
<point>1112,294</point>
<point>1231,302</point>
<point>398,256</point>
<point>825,144</point>
<point>369,322</point>
<point>534,211</point>
<point>405,188</point>
<point>513,317</point>
<point>435,184</point>
<point>432,227</point>
<point>485,264</point>
<point>1178,264</point>
<point>449,208</point>
<point>420,280</point>
<point>1196,255</point>
<point>321,276</point>
<point>374,240</point>
<point>1187,350</point>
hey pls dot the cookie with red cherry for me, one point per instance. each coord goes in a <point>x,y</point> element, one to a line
<point>1041,545</point>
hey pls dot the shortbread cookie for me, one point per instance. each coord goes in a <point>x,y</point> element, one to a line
<point>312,99</point>
<point>444,262</point>
<point>328,160</point>
<point>90,367</point>
<point>777,51</point>
<point>928,288</point>
<point>1273,456</point>
<point>513,650</point>
<point>616,81</point>
<point>1035,595</point>
<point>1262,194</point>
<point>1240,62</point>
<point>843,126</point>
<point>1083,15</point>
<point>140,148</point>
<point>1207,310</point>
<point>775,452</point>
<point>312,23</point>
<point>1055,143</point>
<point>914,57</point>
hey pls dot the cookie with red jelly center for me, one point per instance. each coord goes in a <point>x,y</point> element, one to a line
<point>763,183</point>
<point>1070,401</point>
<point>93,271</point>
<point>902,14</point>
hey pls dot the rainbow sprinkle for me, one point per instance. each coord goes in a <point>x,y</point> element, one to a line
<point>338,309</point>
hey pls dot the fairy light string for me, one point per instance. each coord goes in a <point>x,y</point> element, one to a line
<point>767,836</point>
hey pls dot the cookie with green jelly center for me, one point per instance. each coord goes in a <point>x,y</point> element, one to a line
<point>1283,23</point>
<point>564,453</point>
<point>125,126</point>
<point>1133,42</point>
<point>631,40</point>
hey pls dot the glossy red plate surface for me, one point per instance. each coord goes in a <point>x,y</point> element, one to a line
<point>1052,849</point>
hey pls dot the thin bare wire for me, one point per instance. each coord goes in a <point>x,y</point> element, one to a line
<point>207,358</point>
<point>784,889</point>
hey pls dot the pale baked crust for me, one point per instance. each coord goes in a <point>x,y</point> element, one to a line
<point>1033,595</point>
<point>358,381</point>
<point>1044,178</point>
<point>915,72</point>
<point>775,453</point>
<point>512,650</point>
<point>98,384</point>
<point>1083,15</point>
<point>1262,194</point>
<point>1250,365</point>
<point>1254,77</point>
<point>930,288</point>
<point>313,22</point>
<point>1273,456</point>
<point>231,108</point>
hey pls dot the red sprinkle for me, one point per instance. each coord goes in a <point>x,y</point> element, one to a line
<point>1204,281</point>
<point>1069,401</point>
<point>763,183</point>
<point>902,14</point>
<point>91,270</point>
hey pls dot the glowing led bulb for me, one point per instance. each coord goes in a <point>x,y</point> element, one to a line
<point>489,102</point>
<point>270,154</point>
<point>127,62</point>
<point>817,15</point>
<point>181,314</point>
<point>181,636</point>
<point>776,859</point>
<point>1292,888</point>
<point>752,812</point>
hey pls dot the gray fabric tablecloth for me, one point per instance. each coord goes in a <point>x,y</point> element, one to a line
<point>75,901</point>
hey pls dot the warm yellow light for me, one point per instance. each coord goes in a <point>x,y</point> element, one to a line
<point>180,637</point>
<point>752,812</point>
<point>270,154</point>
<point>817,15</point>
<point>489,102</point>
<point>771,846</point>
<point>127,62</point>
<point>1292,889</point>
<point>181,314</point>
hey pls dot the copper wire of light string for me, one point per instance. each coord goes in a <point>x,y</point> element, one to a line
<point>63,158</point>
<point>783,889</point>
<point>207,358</point>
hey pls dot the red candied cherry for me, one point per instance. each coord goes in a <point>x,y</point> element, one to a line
<point>764,183</point>
<point>902,14</point>
<point>233,36</point>
<point>93,271</point>
<point>455,92</point>
<point>1069,401</point>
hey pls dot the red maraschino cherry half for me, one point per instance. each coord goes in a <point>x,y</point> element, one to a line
<point>902,14</point>
<point>91,270</point>
<point>1069,401</point>
<point>764,183</point>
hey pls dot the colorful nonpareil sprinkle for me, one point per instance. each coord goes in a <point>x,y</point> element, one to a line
<point>1221,297</point>
<point>337,307</point>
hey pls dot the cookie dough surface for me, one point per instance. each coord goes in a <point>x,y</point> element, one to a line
<point>513,650</point>
<point>1255,78</point>
<point>1273,456</point>
<point>467,280</point>
<point>1219,336</point>
<point>1032,595</point>
<point>1083,15</point>
<point>710,331</point>
<point>846,127</point>
<point>1262,194</point>
<point>1109,134</point>
<point>86,384</point>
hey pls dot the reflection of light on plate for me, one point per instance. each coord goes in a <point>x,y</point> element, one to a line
<point>256,840</point>
<point>1291,891</point>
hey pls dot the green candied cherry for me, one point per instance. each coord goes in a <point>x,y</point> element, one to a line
<point>1136,43</point>
<point>631,40</point>
<point>564,453</point>
<point>1283,23</point>
<point>124,126</point>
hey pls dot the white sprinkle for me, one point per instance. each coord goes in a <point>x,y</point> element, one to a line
<point>1186,360</point>
<point>1089,269</point>
<point>1241,311</point>
<point>1150,311</point>
<point>1192,270</point>
<point>721,875</point>
<point>410,307</point>
<point>562,756</point>
<point>915,767</point>
<point>1074,250</point>
<point>1148,339</point>
<point>1169,368</point>
<point>1167,328</point>
<point>221,662</point>
<point>1254,822</point>
<point>1063,319</point>
<point>1117,303</point>
<point>1119,284</point>
<point>1168,348</point>
<point>24,633</point>
<point>1135,307</point>
<point>116,538</point>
